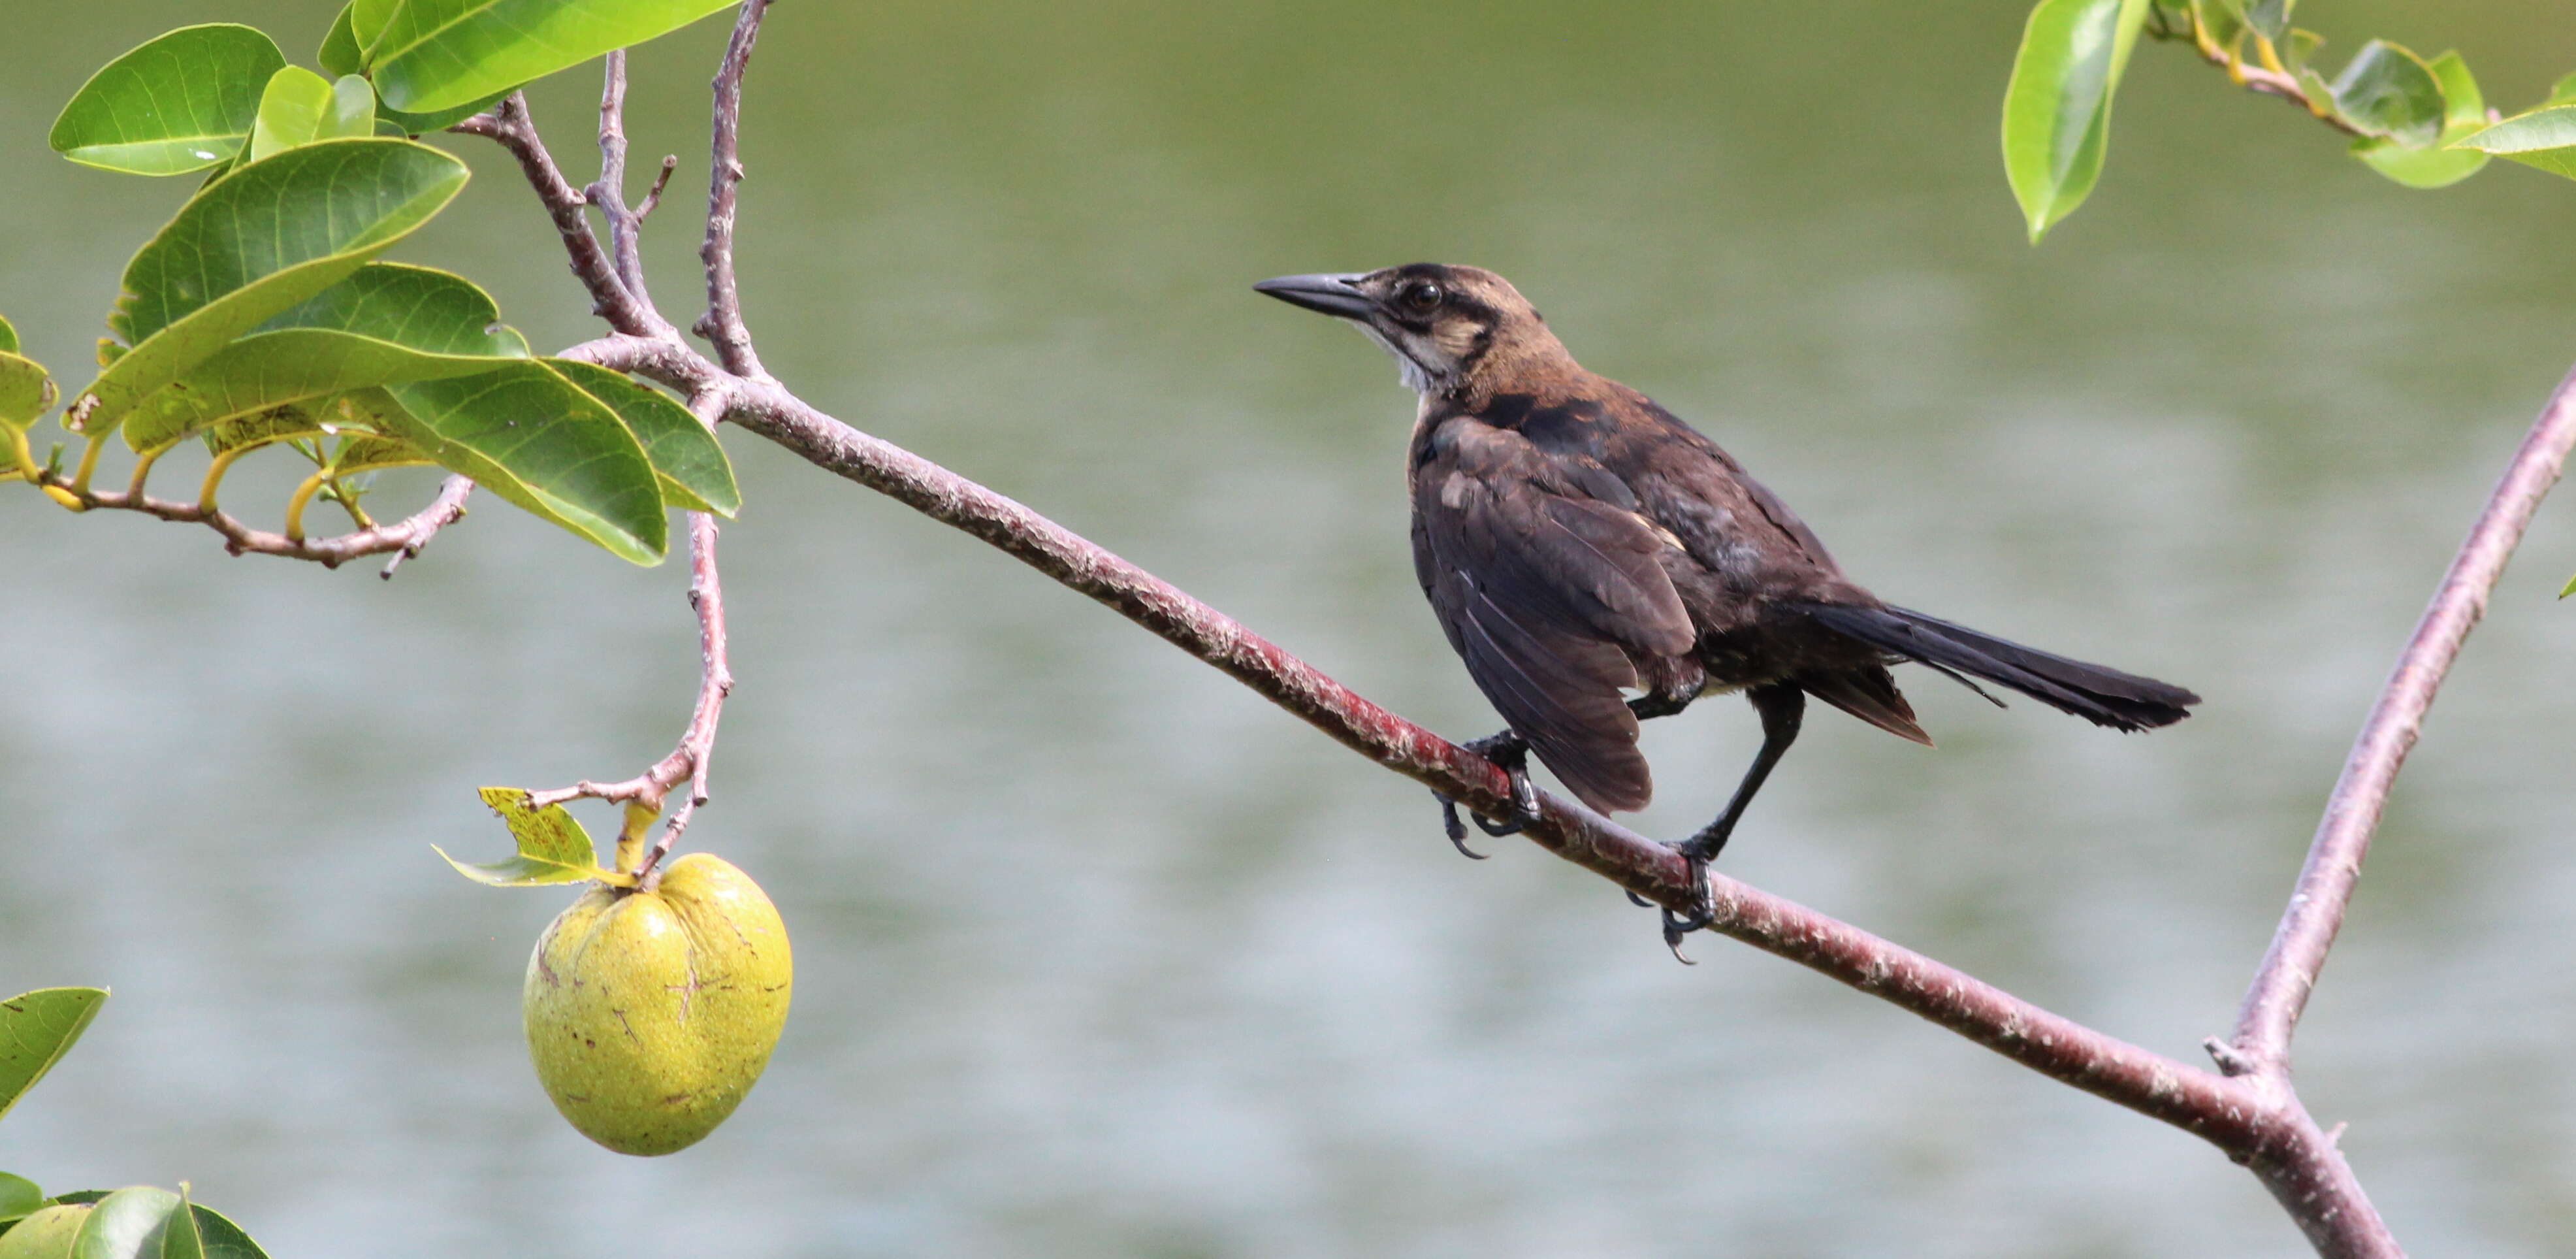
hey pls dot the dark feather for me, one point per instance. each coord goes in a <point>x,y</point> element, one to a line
<point>2101,695</point>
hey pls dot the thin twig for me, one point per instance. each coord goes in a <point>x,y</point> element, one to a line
<point>608,194</point>
<point>2298,951</point>
<point>722,324</point>
<point>2272,79</point>
<point>510,126</point>
<point>406,537</point>
<point>653,199</point>
<point>688,762</point>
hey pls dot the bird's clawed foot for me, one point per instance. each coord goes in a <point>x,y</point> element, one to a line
<point>1697,852</point>
<point>1511,752</point>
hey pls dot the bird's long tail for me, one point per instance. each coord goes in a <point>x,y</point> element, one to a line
<point>2103,696</point>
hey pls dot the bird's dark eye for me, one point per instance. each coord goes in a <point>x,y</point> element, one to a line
<point>1421,296</point>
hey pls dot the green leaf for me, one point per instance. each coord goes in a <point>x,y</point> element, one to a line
<point>2545,137</point>
<point>2057,110</point>
<point>533,438</point>
<point>179,1236</point>
<point>19,1196</point>
<point>367,18</point>
<point>2268,18</point>
<point>438,54</point>
<point>8,338</point>
<point>26,393</point>
<point>36,1029</point>
<point>2464,112</point>
<point>371,454</point>
<point>126,1224</point>
<point>691,464</point>
<point>259,241</point>
<point>440,120</point>
<point>339,53</point>
<point>2221,20</point>
<point>267,428</point>
<point>353,109</point>
<point>182,102</point>
<point>553,848</point>
<point>387,323</point>
<point>2563,90</point>
<point>221,1238</point>
<point>2300,48</point>
<point>2389,91</point>
<point>290,111</point>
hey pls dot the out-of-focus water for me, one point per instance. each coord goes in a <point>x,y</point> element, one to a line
<point>1100,955</point>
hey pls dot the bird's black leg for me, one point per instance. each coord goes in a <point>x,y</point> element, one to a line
<point>1782,705</point>
<point>1510,751</point>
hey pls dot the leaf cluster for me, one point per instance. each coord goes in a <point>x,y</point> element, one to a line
<point>140,1222</point>
<point>264,315</point>
<point>2421,122</point>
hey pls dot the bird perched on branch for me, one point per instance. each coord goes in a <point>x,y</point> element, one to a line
<point>1578,542</point>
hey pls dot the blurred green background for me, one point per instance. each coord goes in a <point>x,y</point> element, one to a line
<point>1098,954</point>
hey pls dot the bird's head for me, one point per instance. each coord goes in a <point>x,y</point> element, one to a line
<point>1450,329</point>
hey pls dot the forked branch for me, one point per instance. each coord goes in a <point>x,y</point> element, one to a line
<point>2250,1111</point>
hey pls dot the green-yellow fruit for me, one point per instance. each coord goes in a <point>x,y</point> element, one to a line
<point>47,1234</point>
<point>651,1013</point>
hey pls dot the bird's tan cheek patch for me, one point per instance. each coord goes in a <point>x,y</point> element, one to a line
<point>1456,339</point>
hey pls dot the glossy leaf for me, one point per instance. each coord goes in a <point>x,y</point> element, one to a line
<point>2389,91</point>
<point>353,109</point>
<point>8,338</point>
<point>19,1196</point>
<point>553,848</point>
<point>373,454</point>
<point>2562,90</point>
<point>179,1236</point>
<point>127,1224</point>
<point>2268,18</point>
<point>265,429</point>
<point>2220,20</point>
<point>2464,112</point>
<point>26,393</point>
<point>290,111</point>
<point>220,1237</point>
<point>691,464</point>
<point>387,323</point>
<point>339,53</point>
<point>531,437</point>
<point>182,102</point>
<point>36,1029</point>
<point>259,241</point>
<point>2545,137</point>
<point>439,54</point>
<point>2057,109</point>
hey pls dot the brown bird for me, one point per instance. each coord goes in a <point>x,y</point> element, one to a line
<point>1577,542</point>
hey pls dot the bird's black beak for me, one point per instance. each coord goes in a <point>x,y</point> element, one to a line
<point>1336,295</point>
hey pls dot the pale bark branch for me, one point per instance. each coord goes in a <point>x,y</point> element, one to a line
<point>2315,914</point>
<point>722,323</point>
<point>2251,1110</point>
<point>404,537</point>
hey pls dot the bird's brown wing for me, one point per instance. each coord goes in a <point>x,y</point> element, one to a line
<point>1546,592</point>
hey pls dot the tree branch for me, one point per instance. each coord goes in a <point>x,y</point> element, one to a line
<point>2298,951</point>
<point>2252,1111</point>
<point>406,537</point>
<point>722,325</point>
<point>689,761</point>
<point>509,125</point>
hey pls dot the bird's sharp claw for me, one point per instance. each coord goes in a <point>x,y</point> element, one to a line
<point>1455,829</point>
